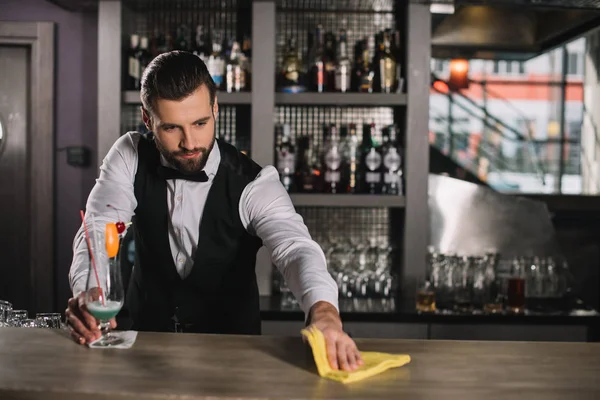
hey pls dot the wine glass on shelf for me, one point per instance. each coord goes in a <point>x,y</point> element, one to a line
<point>104,290</point>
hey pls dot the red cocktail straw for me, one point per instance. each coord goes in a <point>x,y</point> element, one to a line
<point>87,238</point>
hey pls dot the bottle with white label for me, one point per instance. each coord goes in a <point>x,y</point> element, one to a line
<point>235,75</point>
<point>343,68</point>
<point>143,55</point>
<point>286,159</point>
<point>371,162</point>
<point>332,161</point>
<point>216,62</point>
<point>200,43</point>
<point>308,175</point>
<point>133,64</point>
<point>392,162</point>
<point>350,159</point>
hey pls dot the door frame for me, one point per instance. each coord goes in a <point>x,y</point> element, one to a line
<point>39,38</point>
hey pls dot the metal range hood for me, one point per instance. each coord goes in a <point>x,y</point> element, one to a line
<point>510,29</point>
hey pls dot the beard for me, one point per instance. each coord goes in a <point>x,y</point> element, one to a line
<point>190,166</point>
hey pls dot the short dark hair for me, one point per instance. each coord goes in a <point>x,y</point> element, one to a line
<point>174,76</point>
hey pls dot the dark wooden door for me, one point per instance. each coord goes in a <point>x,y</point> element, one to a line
<point>15,274</point>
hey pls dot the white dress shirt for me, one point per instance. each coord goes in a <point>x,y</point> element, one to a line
<point>265,210</point>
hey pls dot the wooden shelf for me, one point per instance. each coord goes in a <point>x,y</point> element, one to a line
<point>349,99</point>
<point>347,200</point>
<point>133,97</point>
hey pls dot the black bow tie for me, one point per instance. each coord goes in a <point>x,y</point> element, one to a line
<point>170,173</point>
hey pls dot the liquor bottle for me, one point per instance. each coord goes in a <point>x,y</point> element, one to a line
<point>363,73</point>
<point>343,68</point>
<point>316,165</point>
<point>351,160</point>
<point>216,64</point>
<point>306,175</point>
<point>246,60</point>
<point>290,76</point>
<point>392,162</point>
<point>330,63</point>
<point>317,70</point>
<point>226,47</point>
<point>143,55</point>
<point>379,50</point>
<point>182,38</point>
<point>161,44</point>
<point>344,175</point>
<point>235,75</point>
<point>356,75</point>
<point>201,48</point>
<point>397,52</point>
<point>247,46</point>
<point>387,65</point>
<point>332,161</point>
<point>286,159</point>
<point>132,81</point>
<point>370,162</point>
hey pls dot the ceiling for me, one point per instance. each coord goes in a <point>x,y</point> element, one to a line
<point>510,29</point>
<point>488,29</point>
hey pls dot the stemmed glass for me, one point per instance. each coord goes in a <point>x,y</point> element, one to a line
<point>104,291</point>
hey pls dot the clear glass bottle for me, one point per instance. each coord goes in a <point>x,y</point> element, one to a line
<point>235,75</point>
<point>286,159</point>
<point>387,65</point>
<point>351,163</point>
<point>343,67</point>
<point>318,72</point>
<point>290,76</point>
<point>332,161</point>
<point>370,162</point>
<point>392,162</point>
<point>216,63</point>
<point>132,81</point>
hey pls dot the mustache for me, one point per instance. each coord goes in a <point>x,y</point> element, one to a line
<point>184,152</point>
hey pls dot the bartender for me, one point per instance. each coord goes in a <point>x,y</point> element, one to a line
<point>201,209</point>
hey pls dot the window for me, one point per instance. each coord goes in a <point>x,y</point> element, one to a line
<point>575,64</point>
<point>574,130</point>
<point>509,68</point>
<point>440,67</point>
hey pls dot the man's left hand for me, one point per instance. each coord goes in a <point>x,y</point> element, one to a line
<point>341,349</point>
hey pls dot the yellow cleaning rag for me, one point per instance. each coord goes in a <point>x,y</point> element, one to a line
<point>374,363</point>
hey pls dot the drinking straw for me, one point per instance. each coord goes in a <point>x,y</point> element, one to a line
<point>87,238</point>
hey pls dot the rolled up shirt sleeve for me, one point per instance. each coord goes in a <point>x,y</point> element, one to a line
<point>266,211</point>
<point>114,186</point>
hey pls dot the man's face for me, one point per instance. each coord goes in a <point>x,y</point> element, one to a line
<point>184,130</point>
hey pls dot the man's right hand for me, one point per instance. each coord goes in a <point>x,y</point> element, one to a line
<point>84,326</point>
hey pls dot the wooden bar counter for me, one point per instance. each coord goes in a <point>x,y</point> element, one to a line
<point>45,364</point>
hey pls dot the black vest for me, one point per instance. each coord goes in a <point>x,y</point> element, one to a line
<point>220,295</point>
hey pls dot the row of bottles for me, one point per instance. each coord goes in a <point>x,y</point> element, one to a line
<point>227,60</point>
<point>343,165</point>
<point>330,67</point>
